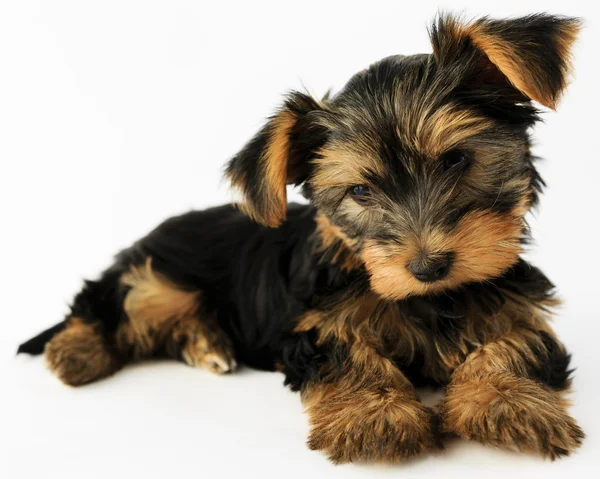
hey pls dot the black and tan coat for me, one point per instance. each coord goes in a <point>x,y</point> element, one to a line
<point>404,269</point>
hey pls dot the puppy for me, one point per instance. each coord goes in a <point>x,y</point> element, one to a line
<point>403,270</point>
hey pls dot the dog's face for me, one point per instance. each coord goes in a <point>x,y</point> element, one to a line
<point>421,163</point>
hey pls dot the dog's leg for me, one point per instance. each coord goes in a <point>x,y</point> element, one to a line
<point>163,317</point>
<point>83,350</point>
<point>505,394</point>
<point>366,410</point>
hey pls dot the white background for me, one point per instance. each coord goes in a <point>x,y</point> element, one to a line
<point>117,114</point>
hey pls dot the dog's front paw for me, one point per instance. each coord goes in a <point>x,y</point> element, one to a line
<point>384,427</point>
<point>511,412</point>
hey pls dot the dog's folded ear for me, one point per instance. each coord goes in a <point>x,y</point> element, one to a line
<point>532,53</point>
<point>278,155</point>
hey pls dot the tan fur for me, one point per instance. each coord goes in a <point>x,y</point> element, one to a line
<point>153,306</point>
<point>340,165</point>
<point>484,243</point>
<point>79,354</point>
<point>508,62</point>
<point>276,167</point>
<point>432,130</point>
<point>333,239</point>
<point>371,413</point>
<point>506,410</point>
<point>274,161</point>
<point>491,399</point>
<point>340,322</point>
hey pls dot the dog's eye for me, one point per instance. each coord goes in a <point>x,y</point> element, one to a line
<point>361,194</point>
<point>455,160</point>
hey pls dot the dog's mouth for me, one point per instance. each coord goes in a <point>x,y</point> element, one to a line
<point>394,280</point>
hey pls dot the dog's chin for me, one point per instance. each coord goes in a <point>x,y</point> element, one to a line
<point>395,285</point>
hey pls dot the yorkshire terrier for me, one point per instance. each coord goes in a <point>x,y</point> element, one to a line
<point>403,270</point>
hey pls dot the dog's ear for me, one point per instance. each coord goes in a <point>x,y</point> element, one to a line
<point>278,155</point>
<point>532,53</point>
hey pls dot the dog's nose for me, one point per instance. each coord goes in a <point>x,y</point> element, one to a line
<point>432,269</point>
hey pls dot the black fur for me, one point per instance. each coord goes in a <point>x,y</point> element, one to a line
<point>553,364</point>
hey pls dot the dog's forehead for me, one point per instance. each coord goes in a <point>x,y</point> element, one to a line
<point>386,74</point>
<point>377,95</point>
<point>401,102</point>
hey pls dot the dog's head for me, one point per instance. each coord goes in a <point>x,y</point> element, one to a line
<point>421,163</point>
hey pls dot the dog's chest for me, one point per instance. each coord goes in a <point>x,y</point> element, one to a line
<point>427,338</point>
